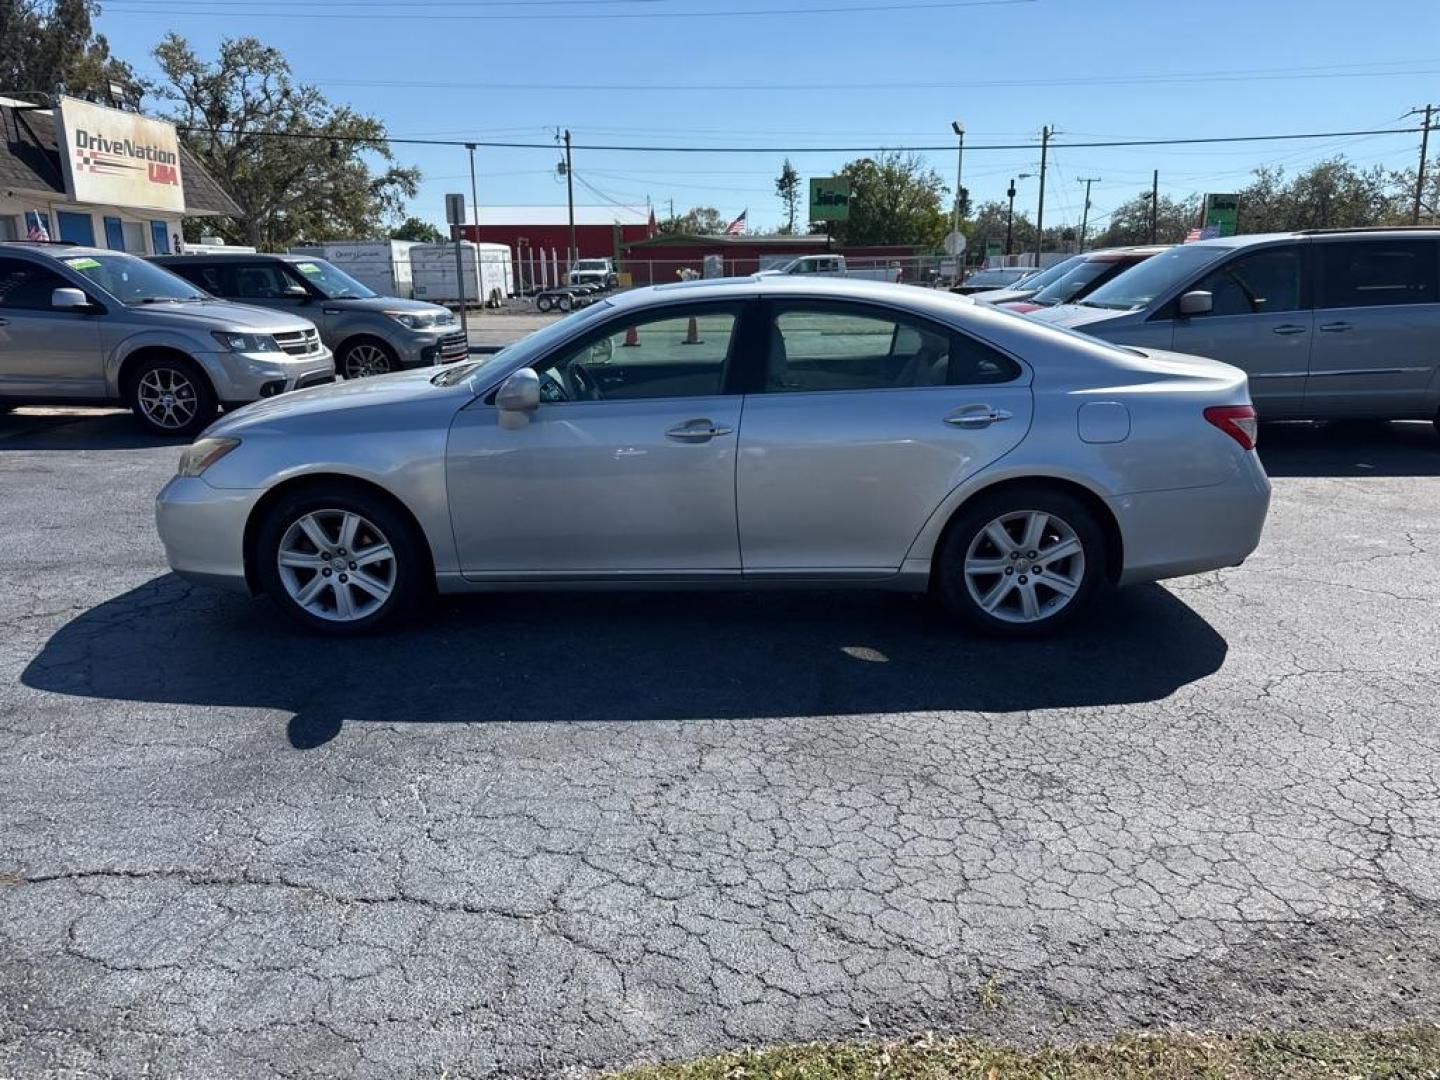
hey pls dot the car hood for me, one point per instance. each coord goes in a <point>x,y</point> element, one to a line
<point>223,315</point>
<point>1075,315</point>
<point>385,303</point>
<point>333,406</point>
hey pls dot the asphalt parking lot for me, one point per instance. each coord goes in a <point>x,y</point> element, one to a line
<point>537,834</point>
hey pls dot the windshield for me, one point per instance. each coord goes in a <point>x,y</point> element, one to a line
<point>1054,273</point>
<point>134,281</point>
<point>999,276</point>
<point>1138,286</point>
<point>590,264</point>
<point>1075,282</point>
<point>333,283</point>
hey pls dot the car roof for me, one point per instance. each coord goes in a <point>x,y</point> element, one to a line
<point>57,249</point>
<point>232,256</point>
<point>1367,232</point>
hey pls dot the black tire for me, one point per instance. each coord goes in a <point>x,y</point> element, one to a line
<point>565,302</point>
<point>171,395</point>
<point>544,303</point>
<point>405,576</point>
<point>1071,583</point>
<point>367,357</point>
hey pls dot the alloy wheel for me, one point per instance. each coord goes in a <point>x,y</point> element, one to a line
<point>337,565</point>
<point>167,398</point>
<point>1025,566</point>
<point>364,360</point>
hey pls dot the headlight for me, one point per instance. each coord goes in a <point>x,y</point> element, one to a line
<point>203,453</point>
<point>421,320</point>
<point>246,342</point>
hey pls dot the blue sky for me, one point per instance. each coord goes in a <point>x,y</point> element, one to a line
<point>1103,69</point>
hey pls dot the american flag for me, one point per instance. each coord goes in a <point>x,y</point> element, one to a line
<point>736,227</point>
<point>36,227</point>
<point>1192,236</point>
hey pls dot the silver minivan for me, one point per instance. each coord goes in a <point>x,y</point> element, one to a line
<point>370,334</point>
<point>1327,323</point>
<point>86,326</point>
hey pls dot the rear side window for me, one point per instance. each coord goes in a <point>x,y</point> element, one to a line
<point>1262,282</point>
<point>1378,273</point>
<point>260,281</point>
<point>27,286</point>
<point>207,276</point>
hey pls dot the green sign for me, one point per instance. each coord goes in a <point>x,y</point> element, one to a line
<point>992,247</point>
<point>829,199</point>
<point>1221,212</point>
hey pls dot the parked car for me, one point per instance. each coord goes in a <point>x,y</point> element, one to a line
<point>597,272</point>
<point>1028,286</point>
<point>993,277</point>
<point>82,325</point>
<point>1083,277</point>
<point>834,266</point>
<point>765,431</point>
<point>1341,323</point>
<point>370,334</point>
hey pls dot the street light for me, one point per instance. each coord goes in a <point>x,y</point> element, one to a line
<point>959,129</point>
<point>1010,219</point>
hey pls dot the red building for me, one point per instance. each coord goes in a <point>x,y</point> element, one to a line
<point>600,231</point>
<point>660,258</point>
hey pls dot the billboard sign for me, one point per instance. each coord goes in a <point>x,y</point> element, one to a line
<point>829,199</point>
<point>1221,214</point>
<point>115,158</point>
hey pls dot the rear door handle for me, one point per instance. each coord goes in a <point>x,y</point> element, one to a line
<point>1335,328</point>
<point>4,322</point>
<point>1289,328</point>
<point>977,416</point>
<point>702,430</point>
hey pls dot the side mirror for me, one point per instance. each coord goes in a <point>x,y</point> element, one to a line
<point>295,292</point>
<point>518,397</point>
<point>1198,302</point>
<point>70,300</point>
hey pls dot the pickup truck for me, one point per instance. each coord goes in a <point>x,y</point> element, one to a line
<point>834,266</point>
<point>600,272</point>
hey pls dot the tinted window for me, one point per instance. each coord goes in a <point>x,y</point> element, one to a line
<point>1264,281</point>
<point>207,276</point>
<point>1078,281</point>
<point>28,285</point>
<point>261,281</point>
<point>659,355</point>
<point>839,348</point>
<point>1371,273</point>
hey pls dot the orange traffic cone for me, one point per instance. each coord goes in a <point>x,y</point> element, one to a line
<point>692,334</point>
<point>632,337</point>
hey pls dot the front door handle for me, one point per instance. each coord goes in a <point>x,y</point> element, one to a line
<point>1335,328</point>
<point>977,416</point>
<point>4,322</point>
<point>701,430</point>
<point>1289,328</point>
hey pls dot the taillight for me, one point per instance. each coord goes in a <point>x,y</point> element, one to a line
<point>1237,421</point>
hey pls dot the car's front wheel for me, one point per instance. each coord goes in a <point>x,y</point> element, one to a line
<point>343,562</point>
<point>171,396</point>
<point>361,359</point>
<point>1022,562</point>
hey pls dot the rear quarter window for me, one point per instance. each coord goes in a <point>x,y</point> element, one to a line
<point>1379,273</point>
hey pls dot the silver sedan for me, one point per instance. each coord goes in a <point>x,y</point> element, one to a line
<point>742,433</point>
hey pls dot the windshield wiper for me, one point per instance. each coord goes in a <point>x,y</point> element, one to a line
<point>170,300</point>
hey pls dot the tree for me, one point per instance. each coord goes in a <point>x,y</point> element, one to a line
<point>989,224</point>
<point>1129,223</point>
<point>52,48</point>
<point>318,186</point>
<point>698,221</point>
<point>412,228</point>
<point>787,186</point>
<point>1332,194</point>
<point>894,199</point>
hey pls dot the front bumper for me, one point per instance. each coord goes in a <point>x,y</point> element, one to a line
<point>431,348</point>
<point>1183,531</point>
<point>245,377</point>
<point>203,530</point>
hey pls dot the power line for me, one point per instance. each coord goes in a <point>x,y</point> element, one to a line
<point>410,16</point>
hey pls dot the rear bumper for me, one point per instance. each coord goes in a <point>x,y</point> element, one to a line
<point>203,530</point>
<point>1190,530</point>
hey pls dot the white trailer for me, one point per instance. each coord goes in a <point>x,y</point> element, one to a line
<point>383,265</point>
<point>486,267</point>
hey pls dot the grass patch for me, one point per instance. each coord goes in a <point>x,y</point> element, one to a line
<point>1410,1053</point>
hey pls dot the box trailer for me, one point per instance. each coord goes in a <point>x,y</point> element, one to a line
<point>487,268</point>
<point>383,265</point>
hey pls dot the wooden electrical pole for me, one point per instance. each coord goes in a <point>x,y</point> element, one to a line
<point>1424,153</point>
<point>1085,213</point>
<point>1045,134</point>
<point>1155,207</point>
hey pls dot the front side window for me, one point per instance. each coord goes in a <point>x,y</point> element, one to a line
<point>835,347</point>
<point>27,286</point>
<point>653,355</point>
<point>1264,281</point>
<point>1374,273</point>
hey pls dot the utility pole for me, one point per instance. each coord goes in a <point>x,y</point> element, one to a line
<point>570,196</point>
<point>1085,213</point>
<point>1010,217</point>
<point>475,204</point>
<point>1045,134</point>
<point>1155,206</point>
<point>1424,153</point>
<point>959,129</point>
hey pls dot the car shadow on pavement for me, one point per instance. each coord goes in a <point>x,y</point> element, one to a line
<point>78,429</point>
<point>1351,448</point>
<point>616,657</point>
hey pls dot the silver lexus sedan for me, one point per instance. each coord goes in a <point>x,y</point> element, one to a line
<point>743,433</point>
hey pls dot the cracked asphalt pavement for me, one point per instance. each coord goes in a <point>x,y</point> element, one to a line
<point>537,835</point>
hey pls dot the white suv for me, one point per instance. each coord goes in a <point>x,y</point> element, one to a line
<point>87,326</point>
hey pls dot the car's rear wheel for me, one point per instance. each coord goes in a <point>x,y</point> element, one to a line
<point>364,358</point>
<point>343,562</point>
<point>1023,562</point>
<point>172,396</point>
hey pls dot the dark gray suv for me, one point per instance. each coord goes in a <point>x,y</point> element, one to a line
<point>369,334</point>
